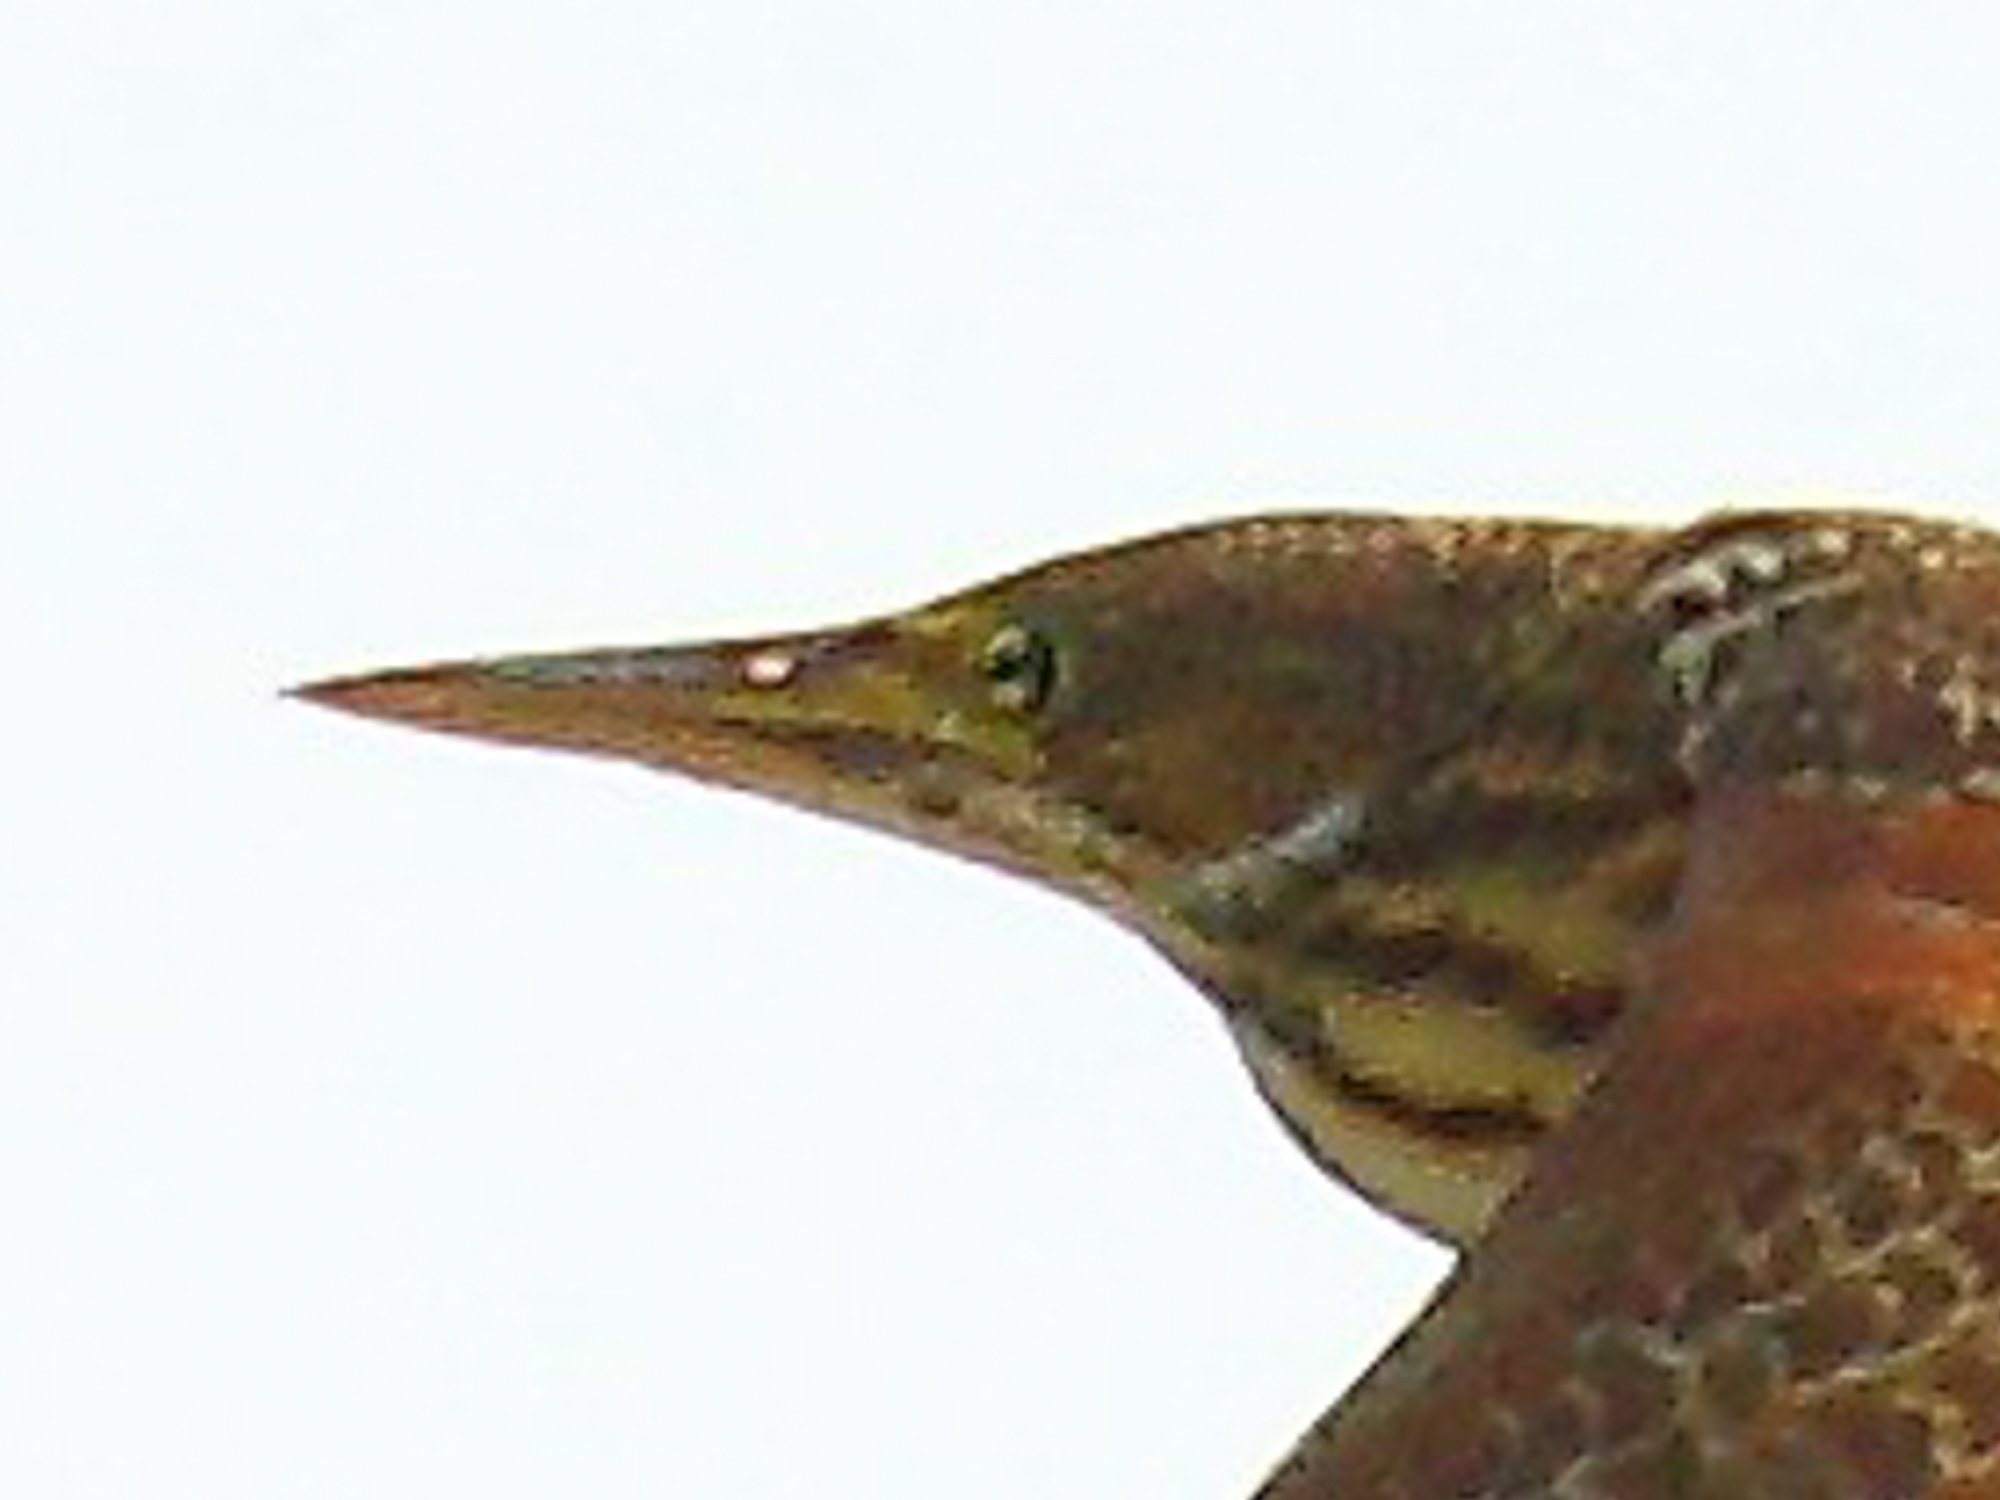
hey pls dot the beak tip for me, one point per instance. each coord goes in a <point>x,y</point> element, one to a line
<point>404,694</point>
<point>323,691</point>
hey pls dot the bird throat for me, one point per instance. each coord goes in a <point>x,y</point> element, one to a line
<point>1421,981</point>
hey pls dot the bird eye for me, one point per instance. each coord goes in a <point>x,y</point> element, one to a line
<point>1020,664</point>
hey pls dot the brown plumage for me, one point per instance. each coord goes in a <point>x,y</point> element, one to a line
<point>1764,1264</point>
<point>1474,830</point>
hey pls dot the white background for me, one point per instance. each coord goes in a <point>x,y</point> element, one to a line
<point>385,1116</point>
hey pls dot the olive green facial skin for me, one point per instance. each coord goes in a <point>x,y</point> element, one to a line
<point>898,723</point>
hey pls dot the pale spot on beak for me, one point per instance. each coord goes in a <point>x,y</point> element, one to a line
<point>770,669</point>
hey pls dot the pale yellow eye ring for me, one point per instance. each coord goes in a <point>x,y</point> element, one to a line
<point>1020,665</point>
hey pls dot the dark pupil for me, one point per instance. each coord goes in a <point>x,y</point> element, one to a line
<point>1021,667</point>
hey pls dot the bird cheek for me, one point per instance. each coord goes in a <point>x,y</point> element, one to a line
<point>1001,747</point>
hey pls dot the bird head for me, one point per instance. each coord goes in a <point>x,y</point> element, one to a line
<point>1393,792</point>
<point>1105,723</point>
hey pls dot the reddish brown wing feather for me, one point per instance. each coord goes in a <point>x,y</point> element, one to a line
<point>1763,1263</point>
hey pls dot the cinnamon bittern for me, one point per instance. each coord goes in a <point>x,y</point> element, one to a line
<point>1620,905</point>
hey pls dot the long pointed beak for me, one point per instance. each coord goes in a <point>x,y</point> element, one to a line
<point>883,723</point>
<point>780,715</point>
<point>855,723</point>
